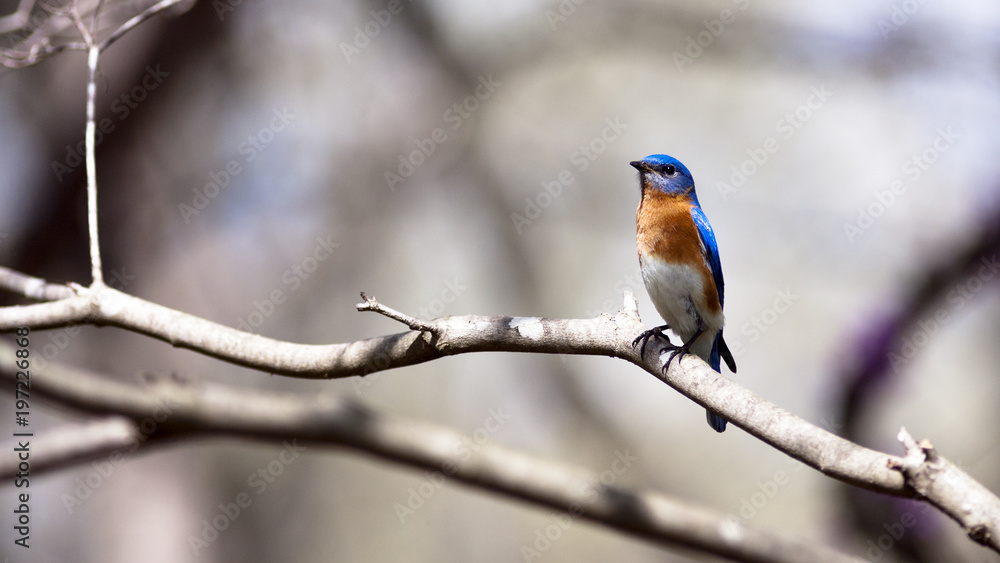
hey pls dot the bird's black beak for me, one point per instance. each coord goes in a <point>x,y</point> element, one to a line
<point>639,165</point>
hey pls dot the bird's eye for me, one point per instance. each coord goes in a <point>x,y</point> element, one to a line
<point>669,170</point>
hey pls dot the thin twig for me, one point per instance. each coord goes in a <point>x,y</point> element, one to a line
<point>95,247</point>
<point>18,19</point>
<point>38,52</point>
<point>77,19</point>
<point>138,19</point>
<point>372,304</point>
<point>32,287</point>
<point>93,54</point>
<point>93,20</point>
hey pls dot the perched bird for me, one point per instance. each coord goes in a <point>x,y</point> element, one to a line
<point>680,265</point>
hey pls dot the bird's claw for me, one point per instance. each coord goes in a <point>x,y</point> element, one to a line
<point>646,335</point>
<point>681,350</point>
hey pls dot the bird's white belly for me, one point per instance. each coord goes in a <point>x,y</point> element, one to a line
<point>677,292</point>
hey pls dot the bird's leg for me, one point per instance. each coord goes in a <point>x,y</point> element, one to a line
<point>684,348</point>
<point>646,335</point>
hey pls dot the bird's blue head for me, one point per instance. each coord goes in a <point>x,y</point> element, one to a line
<point>664,173</point>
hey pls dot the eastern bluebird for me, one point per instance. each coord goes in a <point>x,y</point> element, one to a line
<point>680,264</point>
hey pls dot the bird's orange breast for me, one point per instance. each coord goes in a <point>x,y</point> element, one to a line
<point>666,231</point>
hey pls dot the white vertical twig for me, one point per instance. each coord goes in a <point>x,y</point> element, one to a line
<point>93,53</point>
<point>95,247</point>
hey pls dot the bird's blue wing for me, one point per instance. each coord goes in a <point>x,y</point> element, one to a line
<point>709,248</point>
<point>711,251</point>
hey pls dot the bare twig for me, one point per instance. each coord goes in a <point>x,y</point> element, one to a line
<point>372,304</point>
<point>38,52</point>
<point>138,19</point>
<point>96,269</point>
<point>19,18</point>
<point>211,410</point>
<point>77,19</point>
<point>32,287</point>
<point>76,443</point>
<point>936,479</point>
<point>93,54</point>
<point>95,17</point>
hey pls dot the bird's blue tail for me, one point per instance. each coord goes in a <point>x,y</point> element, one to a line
<point>715,421</point>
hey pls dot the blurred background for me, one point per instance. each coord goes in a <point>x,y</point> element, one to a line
<point>260,163</point>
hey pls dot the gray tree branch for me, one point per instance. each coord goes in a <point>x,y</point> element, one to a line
<point>179,411</point>
<point>605,335</point>
<point>76,443</point>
